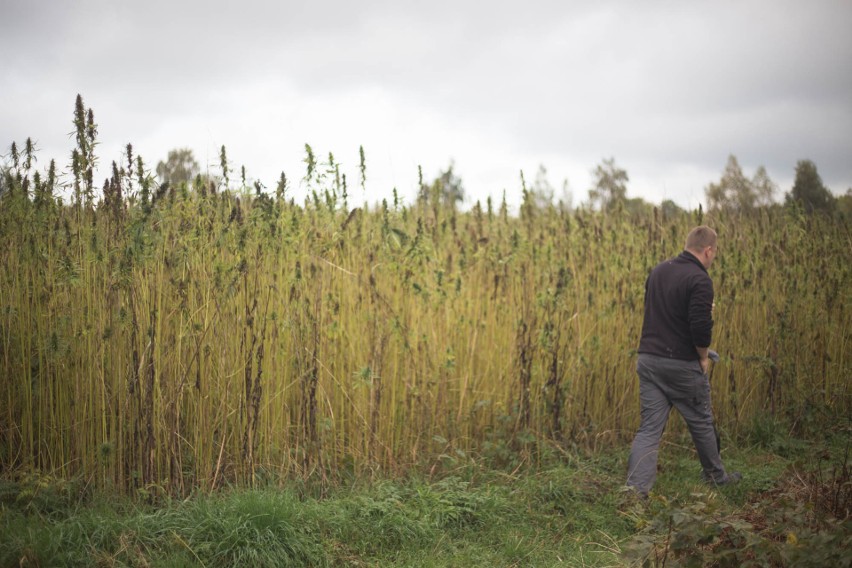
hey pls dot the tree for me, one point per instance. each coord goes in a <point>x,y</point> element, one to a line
<point>542,190</point>
<point>566,197</point>
<point>637,207</point>
<point>734,190</point>
<point>610,185</point>
<point>808,189</point>
<point>449,186</point>
<point>763,187</point>
<point>6,180</point>
<point>844,204</point>
<point>670,209</point>
<point>180,167</point>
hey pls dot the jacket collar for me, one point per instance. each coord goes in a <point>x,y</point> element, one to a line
<point>686,255</point>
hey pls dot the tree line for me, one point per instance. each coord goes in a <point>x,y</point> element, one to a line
<point>733,192</point>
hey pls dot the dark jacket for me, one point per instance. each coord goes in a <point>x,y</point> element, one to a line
<point>678,304</point>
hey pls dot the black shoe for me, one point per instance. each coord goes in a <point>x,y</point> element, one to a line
<point>730,479</point>
<point>631,498</point>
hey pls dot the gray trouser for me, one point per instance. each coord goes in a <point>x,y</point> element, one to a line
<point>665,382</point>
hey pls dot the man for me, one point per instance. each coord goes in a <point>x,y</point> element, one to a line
<point>674,360</point>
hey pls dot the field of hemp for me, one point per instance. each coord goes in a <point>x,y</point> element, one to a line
<point>168,339</point>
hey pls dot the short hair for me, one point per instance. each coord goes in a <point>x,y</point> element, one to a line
<point>700,237</point>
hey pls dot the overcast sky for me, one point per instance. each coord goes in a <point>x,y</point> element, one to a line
<point>668,88</point>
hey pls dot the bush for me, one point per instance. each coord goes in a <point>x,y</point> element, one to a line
<point>805,521</point>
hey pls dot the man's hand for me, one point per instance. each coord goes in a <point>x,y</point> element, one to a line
<point>704,358</point>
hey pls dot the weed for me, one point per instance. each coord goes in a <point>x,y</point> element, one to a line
<point>210,335</point>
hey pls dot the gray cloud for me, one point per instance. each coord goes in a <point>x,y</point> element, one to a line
<point>662,86</point>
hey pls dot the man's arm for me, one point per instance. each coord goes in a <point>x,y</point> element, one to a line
<point>701,320</point>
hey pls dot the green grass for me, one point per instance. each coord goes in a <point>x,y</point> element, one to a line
<point>571,511</point>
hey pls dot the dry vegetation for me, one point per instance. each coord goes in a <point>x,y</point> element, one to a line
<point>173,338</point>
